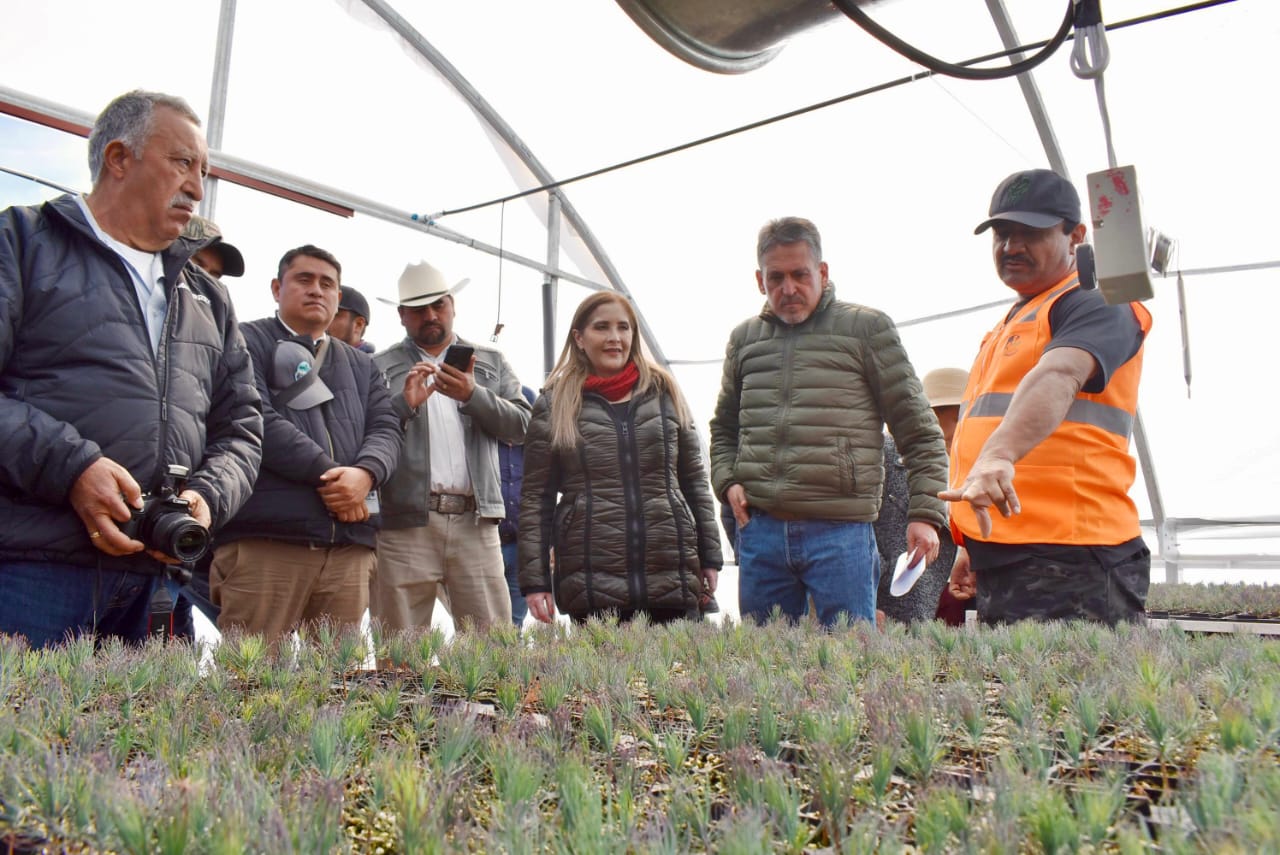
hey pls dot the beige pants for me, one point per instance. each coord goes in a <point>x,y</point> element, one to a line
<point>269,587</point>
<point>457,554</point>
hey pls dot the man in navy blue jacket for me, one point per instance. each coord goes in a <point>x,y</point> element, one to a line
<point>118,360</point>
<point>301,549</point>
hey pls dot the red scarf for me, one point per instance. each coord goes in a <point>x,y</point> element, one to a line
<point>613,388</point>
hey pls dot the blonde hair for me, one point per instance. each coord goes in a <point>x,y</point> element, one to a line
<point>564,384</point>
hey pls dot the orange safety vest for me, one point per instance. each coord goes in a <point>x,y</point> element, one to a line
<point>1073,486</point>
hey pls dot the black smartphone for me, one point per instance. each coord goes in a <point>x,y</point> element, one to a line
<point>459,356</point>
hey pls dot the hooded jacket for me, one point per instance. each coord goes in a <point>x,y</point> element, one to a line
<point>628,511</point>
<point>79,381</point>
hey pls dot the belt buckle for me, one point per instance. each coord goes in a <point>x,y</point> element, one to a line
<point>451,503</point>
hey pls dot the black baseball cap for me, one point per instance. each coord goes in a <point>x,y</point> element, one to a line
<point>232,259</point>
<point>354,302</point>
<point>1038,198</point>
<point>202,229</point>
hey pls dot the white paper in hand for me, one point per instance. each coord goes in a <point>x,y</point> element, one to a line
<point>904,577</point>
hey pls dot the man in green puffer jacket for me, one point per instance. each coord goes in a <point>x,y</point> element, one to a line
<point>796,441</point>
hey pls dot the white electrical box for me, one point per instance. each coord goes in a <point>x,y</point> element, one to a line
<point>1119,236</point>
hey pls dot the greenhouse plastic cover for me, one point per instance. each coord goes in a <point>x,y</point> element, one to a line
<point>896,180</point>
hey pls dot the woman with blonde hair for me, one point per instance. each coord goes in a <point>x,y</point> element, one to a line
<point>614,482</point>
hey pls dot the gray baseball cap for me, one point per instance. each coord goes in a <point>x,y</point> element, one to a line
<point>295,381</point>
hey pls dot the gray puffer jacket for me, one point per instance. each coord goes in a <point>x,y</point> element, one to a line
<point>79,381</point>
<point>802,410</point>
<point>628,512</point>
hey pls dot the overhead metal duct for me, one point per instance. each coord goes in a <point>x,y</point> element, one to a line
<point>727,36</point>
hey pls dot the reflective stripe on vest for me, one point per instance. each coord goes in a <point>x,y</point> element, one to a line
<point>1111,419</point>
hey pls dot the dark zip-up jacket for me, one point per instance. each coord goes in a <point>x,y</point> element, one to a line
<point>79,381</point>
<point>358,427</point>
<point>629,511</point>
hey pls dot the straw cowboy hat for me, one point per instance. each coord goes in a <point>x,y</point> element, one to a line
<point>944,387</point>
<point>421,284</point>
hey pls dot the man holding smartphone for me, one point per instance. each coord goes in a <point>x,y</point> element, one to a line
<point>441,507</point>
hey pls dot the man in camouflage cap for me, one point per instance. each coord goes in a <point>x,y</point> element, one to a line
<point>218,258</point>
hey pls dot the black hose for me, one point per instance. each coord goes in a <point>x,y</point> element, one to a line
<point>949,69</point>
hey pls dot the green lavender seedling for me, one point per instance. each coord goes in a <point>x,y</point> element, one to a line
<point>674,749</point>
<point>386,702</point>
<point>517,775</point>
<point>1088,713</point>
<point>509,695</point>
<point>933,820</point>
<point>1097,807</point>
<point>598,720</point>
<point>1053,825</point>
<point>743,833</point>
<point>736,728</point>
<point>329,754</point>
<point>1235,728</point>
<point>926,743</point>
<point>770,730</point>
<point>1218,789</point>
<point>884,759</point>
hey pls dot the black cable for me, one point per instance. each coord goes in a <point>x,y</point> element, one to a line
<point>821,105</point>
<point>938,66</point>
<point>502,231</point>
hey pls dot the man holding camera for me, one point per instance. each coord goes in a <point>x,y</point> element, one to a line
<point>301,549</point>
<point>119,359</point>
<point>442,505</point>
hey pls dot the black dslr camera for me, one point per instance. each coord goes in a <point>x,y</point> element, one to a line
<point>164,522</point>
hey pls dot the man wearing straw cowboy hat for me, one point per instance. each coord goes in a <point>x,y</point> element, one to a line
<point>944,389</point>
<point>441,507</point>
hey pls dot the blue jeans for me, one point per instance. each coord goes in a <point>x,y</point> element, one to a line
<point>510,566</point>
<point>195,592</point>
<point>48,602</point>
<point>783,563</point>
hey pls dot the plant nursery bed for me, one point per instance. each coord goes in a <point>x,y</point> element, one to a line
<point>689,737</point>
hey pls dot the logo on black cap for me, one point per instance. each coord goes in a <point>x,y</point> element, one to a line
<point>1017,190</point>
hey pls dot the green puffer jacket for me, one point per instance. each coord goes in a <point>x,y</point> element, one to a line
<point>628,512</point>
<point>800,419</point>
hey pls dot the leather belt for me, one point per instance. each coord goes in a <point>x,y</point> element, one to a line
<point>451,503</point>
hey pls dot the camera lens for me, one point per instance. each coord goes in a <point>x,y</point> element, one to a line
<point>181,536</point>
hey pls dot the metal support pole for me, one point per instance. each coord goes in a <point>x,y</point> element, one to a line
<point>491,117</point>
<point>549,284</point>
<point>218,98</point>
<point>1039,115</point>
<point>1030,92</point>
<point>1167,538</point>
<point>1166,545</point>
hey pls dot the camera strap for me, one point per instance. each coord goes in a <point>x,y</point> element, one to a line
<point>286,396</point>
